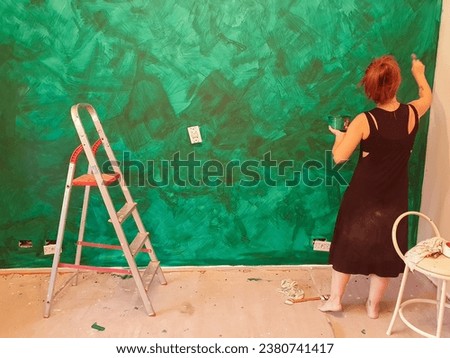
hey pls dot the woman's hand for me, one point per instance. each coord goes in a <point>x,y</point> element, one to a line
<point>417,68</point>
<point>336,132</point>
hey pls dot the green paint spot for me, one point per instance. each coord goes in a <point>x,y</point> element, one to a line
<point>97,327</point>
<point>123,277</point>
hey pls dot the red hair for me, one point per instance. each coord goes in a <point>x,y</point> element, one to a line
<point>382,79</point>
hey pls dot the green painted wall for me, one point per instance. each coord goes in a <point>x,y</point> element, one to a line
<point>257,76</point>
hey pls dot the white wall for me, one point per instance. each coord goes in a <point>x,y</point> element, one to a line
<point>436,185</point>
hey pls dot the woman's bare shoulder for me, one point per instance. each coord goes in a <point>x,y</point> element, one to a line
<point>360,125</point>
<point>360,119</point>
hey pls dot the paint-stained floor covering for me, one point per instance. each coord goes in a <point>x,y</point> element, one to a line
<point>203,303</point>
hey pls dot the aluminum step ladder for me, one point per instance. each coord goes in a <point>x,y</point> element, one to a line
<point>94,178</point>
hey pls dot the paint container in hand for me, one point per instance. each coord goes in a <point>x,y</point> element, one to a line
<point>336,122</point>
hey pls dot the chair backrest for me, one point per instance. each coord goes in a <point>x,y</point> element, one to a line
<point>397,222</point>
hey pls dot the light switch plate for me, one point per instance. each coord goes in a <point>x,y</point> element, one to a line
<point>194,134</point>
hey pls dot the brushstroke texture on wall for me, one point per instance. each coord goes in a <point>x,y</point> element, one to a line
<point>257,76</point>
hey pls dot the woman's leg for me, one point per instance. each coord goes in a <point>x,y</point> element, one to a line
<point>378,286</point>
<point>339,282</point>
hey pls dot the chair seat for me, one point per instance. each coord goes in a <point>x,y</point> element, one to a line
<point>435,266</point>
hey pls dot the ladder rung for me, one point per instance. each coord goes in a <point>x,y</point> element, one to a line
<point>138,242</point>
<point>95,268</point>
<point>149,273</point>
<point>106,246</point>
<point>99,245</point>
<point>124,212</point>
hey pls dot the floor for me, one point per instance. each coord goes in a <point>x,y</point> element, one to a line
<point>204,302</point>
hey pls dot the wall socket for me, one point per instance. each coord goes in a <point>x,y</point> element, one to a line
<point>25,244</point>
<point>321,245</point>
<point>194,134</point>
<point>49,249</point>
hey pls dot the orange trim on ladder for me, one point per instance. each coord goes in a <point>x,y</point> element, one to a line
<point>76,153</point>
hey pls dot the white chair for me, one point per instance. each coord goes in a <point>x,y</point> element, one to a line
<point>438,268</point>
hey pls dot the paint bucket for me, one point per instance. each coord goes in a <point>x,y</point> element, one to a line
<point>336,122</point>
<point>446,248</point>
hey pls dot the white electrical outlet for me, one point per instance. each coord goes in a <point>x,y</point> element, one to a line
<point>321,245</point>
<point>194,134</point>
<point>50,249</point>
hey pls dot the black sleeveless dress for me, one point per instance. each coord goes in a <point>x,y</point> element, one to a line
<point>376,196</point>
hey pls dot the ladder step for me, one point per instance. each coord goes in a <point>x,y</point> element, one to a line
<point>89,179</point>
<point>149,274</point>
<point>138,242</point>
<point>96,268</point>
<point>107,246</point>
<point>124,212</point>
